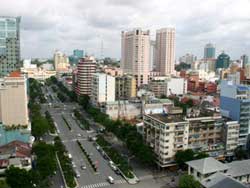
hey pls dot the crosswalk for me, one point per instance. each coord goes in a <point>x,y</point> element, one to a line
<point>103,184</point>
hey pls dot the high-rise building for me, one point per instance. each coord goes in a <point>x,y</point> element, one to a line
<point>244,60</point>
<point>85,70</point>
<point>102,89</point>
<point>152,55</point>
<point>165,51</point>
<point>14,100</point>
<point>125,87</point>
<point>61,61</point>
<point>209,51</point>
<point>9,44</point>
<point>235,104</point>
<point>135,54</point>
<point>223,61</point>
<point>78,53</point>
<point>188,59</point>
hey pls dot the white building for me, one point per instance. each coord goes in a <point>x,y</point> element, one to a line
<point>165,51</point>
<point>103,88</point>
<point>14,100</point>
<point>135,54</point>
<point>168,86</point>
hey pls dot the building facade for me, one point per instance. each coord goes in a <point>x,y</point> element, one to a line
<point>235,104</point>
<point>14,100</point>
<point>83,76</point>
<point>223,61</point>
<point>135,54</point>
<point>209,51</point>
<point>9,44</point>
<point>102,89</point>
<point>125,87</point>
<point>165,51</point>
<point>61,61</point>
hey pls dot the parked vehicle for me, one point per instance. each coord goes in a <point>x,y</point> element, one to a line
<point>83,167</point>
<point>77,174</point>
<point>70,156</point>
<point>110,180</point>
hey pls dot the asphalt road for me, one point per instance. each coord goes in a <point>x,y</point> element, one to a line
<point>88,178</point>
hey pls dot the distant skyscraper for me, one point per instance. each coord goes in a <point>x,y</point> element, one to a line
<point>152,55</point>
<point>165,50</point>
<point>222,61</point>
<point>78,53</point>
<point>9,44</point>
<point>135,54</point>
<point>61,61</point>
<point>245,60</point>
<point>209,51</point>
<point>188,59</point>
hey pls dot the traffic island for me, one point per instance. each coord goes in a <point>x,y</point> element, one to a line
<point>87,156</point>
<point>120,162</point>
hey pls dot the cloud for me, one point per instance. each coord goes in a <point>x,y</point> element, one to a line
<point>61,24</point>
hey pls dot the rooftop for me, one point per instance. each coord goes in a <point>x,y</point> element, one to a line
<point>239,168</point>
<point>207,165</point>
<point>219,180</point>
<point>16,148</point>
<point>168,118</point>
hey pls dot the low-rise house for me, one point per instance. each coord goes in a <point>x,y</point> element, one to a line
<point>16,153</point>
<point>240,170</point>
<point>220,180</point>
<point>203,168</point>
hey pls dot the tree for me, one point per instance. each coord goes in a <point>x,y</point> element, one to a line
<point>18,178</point>
<point>240,153</point>
<point>3,184</point>
<point>201,155</point>
<point>84,101</point>
<point>39,126</point>
<point>183,156</point>
<point>188,181</point>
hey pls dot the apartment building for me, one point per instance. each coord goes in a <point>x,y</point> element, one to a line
<point>102,89</point>
<point>125,87</point>
<point>166,134</point>
<point>165,51</point>
<point>82,78</point>
<point>205,131</point>
<point>135,54</point>
<point>14,100</point>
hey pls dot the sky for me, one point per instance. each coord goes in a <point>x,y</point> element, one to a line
<point>50,25</point>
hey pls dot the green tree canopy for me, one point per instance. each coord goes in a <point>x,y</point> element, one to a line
<point>187,181</point>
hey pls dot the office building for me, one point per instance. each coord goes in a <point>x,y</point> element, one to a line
<point>209,51</point>
<point>188,59</point>
<point>235,104</point>
<point>61,62</point>
<point>9,44</point>
<point>14,100</point>
<point>135,54</point>
<point>78,53</point>
<point>125,87</point>
<point>244,60</point>
<point>83,76</point>
<point>165,51</point>
<point>103,89</point>
<point>223,61</point>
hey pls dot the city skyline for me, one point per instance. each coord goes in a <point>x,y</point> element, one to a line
<point>85,27</point>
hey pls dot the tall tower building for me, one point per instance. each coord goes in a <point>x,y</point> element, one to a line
<point>61,61</point>
<point>165,51</point>
<point>135,52</point>
<point>209,51</point>
<point>244,60</point>
<point>9,44</point>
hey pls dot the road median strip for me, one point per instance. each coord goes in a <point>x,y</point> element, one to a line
<point>66,122</point>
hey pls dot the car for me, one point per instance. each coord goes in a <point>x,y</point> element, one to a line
<point>83,167</point>
<point>79,135</point>
<point>98,148</point>
<point>77,174</point>
<point>110,180</point>
<point>74,165</point>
